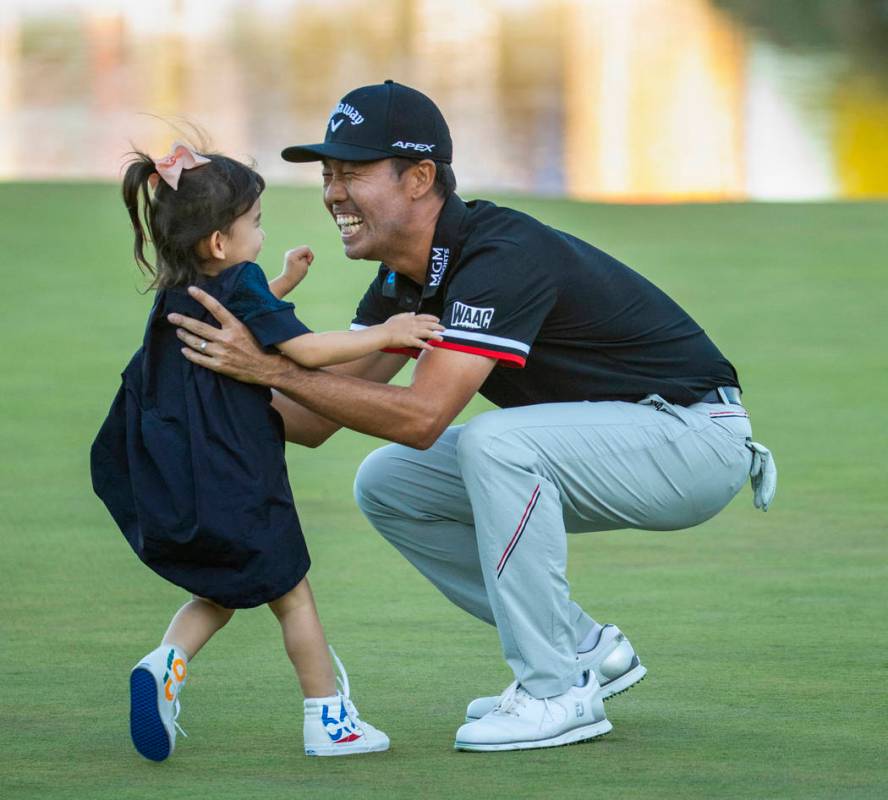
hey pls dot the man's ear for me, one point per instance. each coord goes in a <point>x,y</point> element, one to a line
<point>422,178</point>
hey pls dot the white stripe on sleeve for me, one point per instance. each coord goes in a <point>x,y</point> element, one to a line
<point>486,338</point>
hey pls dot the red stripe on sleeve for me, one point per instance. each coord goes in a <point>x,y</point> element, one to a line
<point>413,352</point>
<point>507,359</point>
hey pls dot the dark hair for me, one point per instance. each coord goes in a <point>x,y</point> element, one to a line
<point>445,180</point>
<point>209,198</point>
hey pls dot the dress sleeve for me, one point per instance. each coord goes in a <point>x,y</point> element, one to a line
<point>496,305</point>
<point>270,320</point>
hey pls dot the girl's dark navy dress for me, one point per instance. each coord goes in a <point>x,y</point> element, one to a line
<point>191,463</point>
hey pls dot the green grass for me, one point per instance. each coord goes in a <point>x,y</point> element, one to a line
<point>765,635</point>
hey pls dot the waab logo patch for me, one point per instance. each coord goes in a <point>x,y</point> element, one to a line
<point>464,316</point>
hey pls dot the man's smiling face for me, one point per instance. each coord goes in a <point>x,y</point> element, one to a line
<point>370,204</point>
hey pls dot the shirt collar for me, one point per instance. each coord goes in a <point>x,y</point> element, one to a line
<point>444,252</point>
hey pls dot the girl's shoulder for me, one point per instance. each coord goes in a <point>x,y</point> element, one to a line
<point>248,294</point>
<point>248,275</point>
<point>227,280</point>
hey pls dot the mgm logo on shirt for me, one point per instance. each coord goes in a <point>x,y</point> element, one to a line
<point>464,316</point>
<point>440,259</point>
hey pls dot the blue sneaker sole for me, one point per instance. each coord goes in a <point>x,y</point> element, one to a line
<point>147,730</point>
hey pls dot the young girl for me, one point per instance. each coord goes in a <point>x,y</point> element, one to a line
<point>191,464</point>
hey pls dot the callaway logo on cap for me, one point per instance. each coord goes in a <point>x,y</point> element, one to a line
<point>384,120</point>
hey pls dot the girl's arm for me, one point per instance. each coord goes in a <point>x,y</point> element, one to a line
<point>336,347</point>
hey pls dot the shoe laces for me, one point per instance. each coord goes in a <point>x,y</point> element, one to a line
<point>548,712</point>
<point>176,709</point>
<point>514,701</point>
<point>344,692</point>
<point>342,677</point>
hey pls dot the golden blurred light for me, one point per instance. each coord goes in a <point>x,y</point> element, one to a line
<point>622,100</point>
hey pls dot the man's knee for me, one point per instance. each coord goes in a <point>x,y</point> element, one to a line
<point>492,436</point>
<point>477,435</point>
<point>373,481</point>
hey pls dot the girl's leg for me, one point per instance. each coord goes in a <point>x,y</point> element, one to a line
<point>195,623</point>
<point>331,726</point>
<point>304,640</point>
<point>157,679</point>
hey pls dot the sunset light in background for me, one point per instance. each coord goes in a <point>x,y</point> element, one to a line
<point>636,100</point>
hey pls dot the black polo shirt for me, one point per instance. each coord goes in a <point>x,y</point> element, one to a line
<point>577,323</point>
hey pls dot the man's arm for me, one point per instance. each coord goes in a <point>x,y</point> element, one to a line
<point>304,427</point>
<point>443,383</point>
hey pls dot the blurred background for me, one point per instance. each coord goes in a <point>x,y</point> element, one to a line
<point>616,100</point>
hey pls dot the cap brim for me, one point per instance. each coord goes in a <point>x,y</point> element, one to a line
<point>338,150</point>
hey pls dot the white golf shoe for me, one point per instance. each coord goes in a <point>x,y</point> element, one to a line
<point>520,721</point>
<point>613,660</point>
<point>155,683</point>
<point>333,727</point>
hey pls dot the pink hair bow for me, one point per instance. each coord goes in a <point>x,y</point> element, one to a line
<point>170,167</point>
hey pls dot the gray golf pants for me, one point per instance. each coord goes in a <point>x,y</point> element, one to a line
<point>484,512</point>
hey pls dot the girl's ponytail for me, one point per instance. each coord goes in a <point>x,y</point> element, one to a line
<point>136,181</point>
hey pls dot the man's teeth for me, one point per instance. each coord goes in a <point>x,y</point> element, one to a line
<point>348,223</point>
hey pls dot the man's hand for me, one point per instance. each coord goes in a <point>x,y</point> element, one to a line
<point>231,349</point>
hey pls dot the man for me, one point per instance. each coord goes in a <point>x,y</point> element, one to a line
<point>617,411</point>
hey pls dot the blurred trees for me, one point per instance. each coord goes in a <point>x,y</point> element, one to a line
<point>857,29</point>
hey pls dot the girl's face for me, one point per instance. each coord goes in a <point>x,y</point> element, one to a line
<point>244,238</point>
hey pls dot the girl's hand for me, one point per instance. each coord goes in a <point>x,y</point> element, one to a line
<point>296,264</point>
<point>412,330</point>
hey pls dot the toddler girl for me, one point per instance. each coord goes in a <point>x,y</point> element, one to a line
<point>191,463</point>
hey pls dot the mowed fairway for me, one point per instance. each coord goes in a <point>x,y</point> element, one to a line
<point>765,635</point>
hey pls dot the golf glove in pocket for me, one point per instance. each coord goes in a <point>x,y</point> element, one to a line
<point>763,475</point>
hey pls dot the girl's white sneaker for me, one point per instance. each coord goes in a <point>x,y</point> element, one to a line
<point>333,727</point>
<point>155,683</point>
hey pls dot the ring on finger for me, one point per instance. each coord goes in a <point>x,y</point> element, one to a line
<point>203,345</point>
